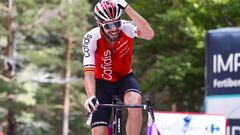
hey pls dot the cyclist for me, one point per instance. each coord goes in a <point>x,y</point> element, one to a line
<point>107,63</point>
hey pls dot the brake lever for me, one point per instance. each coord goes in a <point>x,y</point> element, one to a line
<point>149,108</point>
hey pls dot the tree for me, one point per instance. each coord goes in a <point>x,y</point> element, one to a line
<point>41,36</point>
<point>173,63</point>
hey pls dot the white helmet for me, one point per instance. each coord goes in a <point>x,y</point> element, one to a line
<point>106,10</point>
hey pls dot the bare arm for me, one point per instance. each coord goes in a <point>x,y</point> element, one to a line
<point>144,29</point>
<point>89,83</point>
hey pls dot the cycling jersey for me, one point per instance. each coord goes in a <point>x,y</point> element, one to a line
<point>109,62</point>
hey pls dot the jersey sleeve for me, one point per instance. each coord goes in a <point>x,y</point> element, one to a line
<point>129,28</point>
<point>89,46</point>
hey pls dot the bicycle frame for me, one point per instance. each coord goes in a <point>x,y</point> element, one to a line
<point>116,128</point>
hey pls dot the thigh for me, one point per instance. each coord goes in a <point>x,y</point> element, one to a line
<point>129,85</point>
<point>103,93</point>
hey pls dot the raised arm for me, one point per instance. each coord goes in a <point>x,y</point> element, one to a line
<point>144,29</point>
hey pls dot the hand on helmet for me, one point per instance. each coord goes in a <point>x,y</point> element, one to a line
<point>121,3</point>
<point>91,104</point>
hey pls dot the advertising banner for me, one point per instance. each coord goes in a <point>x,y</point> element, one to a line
<point>190,124</point>
<point>223,61</point>
<point>228,105</point>
<point>222,83</point>
<point>234,129</point>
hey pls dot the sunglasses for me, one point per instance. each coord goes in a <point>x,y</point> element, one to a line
<point>109,25</point>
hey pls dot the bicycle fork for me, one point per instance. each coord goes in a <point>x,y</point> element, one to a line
<point>117,125</point>
<point>117,121</point>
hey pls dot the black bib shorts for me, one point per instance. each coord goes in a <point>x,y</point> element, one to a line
<point>105,91</point>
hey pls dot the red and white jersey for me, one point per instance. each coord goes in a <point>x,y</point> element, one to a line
<point>109,62</point>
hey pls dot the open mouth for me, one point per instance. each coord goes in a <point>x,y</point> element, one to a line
<point>113,33</point>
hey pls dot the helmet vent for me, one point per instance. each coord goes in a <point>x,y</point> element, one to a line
<point>107,11</point>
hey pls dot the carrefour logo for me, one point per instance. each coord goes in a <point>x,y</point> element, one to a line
<point>213,128</point>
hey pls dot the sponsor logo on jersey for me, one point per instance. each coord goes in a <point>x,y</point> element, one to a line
<point>86,42</point>
<point>123,48</point>
<point>107,65</point>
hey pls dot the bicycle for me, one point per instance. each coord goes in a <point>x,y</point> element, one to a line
<point>116,127</point>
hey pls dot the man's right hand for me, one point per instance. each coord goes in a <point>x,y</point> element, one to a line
<point>121,3</point>
<point>91,104</point>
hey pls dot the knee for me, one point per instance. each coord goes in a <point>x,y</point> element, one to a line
<point>99,130</point>
<point>132,98</point>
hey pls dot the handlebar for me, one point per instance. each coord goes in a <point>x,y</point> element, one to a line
<point>150,109</point>
<point>122,106</point>
<point>147,106</point>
